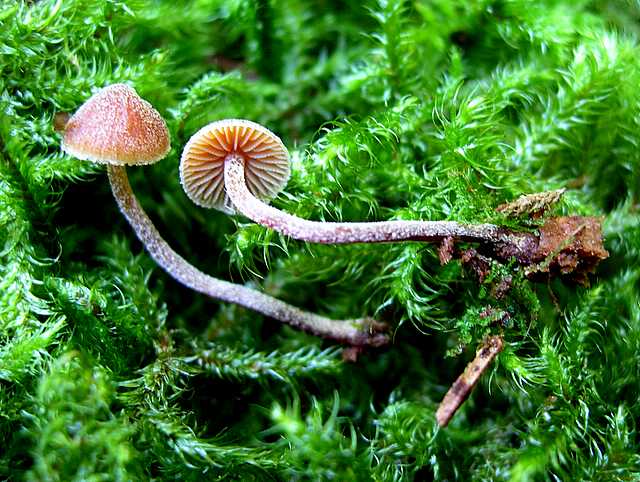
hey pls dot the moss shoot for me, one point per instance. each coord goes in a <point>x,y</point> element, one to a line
<point>391,110</point>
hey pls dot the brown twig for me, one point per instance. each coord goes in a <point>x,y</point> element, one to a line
<point>462,387</point>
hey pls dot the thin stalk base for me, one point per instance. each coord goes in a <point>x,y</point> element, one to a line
<point>356,332</point>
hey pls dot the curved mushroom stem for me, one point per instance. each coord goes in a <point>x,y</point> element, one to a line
<point>357,332</point>
<point>349,232</point>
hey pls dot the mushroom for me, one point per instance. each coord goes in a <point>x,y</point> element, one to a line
<point>239,164</point>
<point>118,128</point>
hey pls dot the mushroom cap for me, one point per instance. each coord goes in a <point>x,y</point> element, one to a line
<point>202,163</point>
<point>116,126</point>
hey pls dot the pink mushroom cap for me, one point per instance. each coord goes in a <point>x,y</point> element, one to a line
<point>116,126</point>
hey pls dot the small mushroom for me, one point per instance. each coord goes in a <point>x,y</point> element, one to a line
<point>238,164</point>
<point>118,128</point>
<point>262,154</point>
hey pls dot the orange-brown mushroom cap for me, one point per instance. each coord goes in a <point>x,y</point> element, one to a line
<point>202,163</point>
<point>116,126</point>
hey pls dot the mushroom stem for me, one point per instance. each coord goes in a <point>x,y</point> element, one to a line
<point>348,232</point>
<point>356,332</point>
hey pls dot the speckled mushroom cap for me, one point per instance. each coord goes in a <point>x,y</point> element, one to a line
<point>116,126</point>
<point>202,163</point>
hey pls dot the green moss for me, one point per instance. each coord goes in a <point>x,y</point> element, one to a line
<point>432,109</point>
<point>75,435</point>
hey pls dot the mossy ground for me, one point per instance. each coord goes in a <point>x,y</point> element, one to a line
<point>433,109</point>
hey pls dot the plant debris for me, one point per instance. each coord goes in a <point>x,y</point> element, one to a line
<point>568,246</point>
<point>531,205</point>
<point>464,384</point>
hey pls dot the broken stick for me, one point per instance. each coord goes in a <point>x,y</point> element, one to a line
<point>462,387</point>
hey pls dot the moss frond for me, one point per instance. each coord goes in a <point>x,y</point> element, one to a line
<point>430,110</point>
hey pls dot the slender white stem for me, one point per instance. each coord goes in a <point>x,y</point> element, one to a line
<point>357,332</point>
<point>344,233</point>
